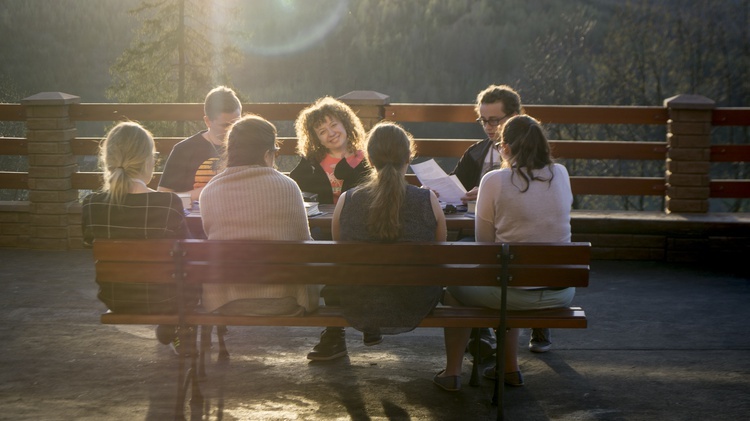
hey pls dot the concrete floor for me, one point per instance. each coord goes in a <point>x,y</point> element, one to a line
<point>665,342</point>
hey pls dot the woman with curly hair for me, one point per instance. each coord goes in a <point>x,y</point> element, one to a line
<point>329,139</point>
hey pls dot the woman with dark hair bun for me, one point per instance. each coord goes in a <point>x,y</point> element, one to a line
<point>527,200</point>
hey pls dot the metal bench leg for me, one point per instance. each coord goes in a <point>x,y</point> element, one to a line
<point>205,350</point>
<point>474,380</point>
<point>196,397</point>
<point>223,353</point>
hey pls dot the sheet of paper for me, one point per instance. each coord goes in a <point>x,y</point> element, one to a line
<point>431,175</point>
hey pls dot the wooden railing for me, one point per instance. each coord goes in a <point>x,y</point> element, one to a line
<point>409,113</point>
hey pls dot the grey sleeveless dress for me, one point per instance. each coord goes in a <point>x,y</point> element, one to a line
<point>388,309</point>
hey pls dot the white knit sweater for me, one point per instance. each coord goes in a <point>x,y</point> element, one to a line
<point>254,203</point>
<point>541,214</point>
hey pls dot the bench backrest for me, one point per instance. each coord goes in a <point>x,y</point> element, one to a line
<point>134,260</point>
<point>352,263</point>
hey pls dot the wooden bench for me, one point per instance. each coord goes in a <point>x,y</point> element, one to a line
<point>187,263</point>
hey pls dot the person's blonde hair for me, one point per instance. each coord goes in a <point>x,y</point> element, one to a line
<point>125,154</point>
<point>308,144</point>
<point>389,149</point>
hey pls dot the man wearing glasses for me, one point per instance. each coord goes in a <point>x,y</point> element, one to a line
<point>495,105</point>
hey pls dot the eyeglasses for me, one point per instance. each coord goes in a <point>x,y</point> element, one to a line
<point>492,121</point>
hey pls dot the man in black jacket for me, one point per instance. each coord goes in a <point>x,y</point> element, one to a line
<point>495,105</point>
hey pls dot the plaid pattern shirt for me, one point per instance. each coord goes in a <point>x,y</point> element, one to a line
<point>141,216</point>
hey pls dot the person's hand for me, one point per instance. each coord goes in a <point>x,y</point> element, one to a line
<point>434,191</point>
<point>470,195</point>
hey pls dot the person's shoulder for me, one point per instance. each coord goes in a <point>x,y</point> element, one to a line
<point>196,139</point>
<point>479,144</point>
<point>557,167</point>
<point>496,176</point>
<point>284,179</point>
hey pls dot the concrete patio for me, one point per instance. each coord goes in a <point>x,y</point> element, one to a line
<point>665,342</point>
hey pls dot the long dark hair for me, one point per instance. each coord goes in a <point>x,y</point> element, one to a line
<point>528,149</point>
<point>389,148</point>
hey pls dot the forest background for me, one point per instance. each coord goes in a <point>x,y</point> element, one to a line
<point>582,52</point>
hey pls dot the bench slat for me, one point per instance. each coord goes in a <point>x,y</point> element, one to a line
<point>571,317</point>
<point>134,250</point>
<point>342,252</point>
<point>110,318</point>
<point>383,274</point>
<point>150,272</point>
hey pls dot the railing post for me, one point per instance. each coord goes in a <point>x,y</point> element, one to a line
<point>689,153</point>
<point>49,131</point>
<point>369,106</point>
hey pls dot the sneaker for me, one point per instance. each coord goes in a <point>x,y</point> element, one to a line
<point>540,340</point>
<point>332,345</point>
<point>371,339</point>
<point>165,334</point>
<point>177,346</point>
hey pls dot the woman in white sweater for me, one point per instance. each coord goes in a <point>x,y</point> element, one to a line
<point>527,200</point>
<point>251,200</point>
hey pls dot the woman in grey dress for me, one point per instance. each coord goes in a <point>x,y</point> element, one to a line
<point>385,208</point>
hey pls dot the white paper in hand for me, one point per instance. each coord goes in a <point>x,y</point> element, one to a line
<point>431,175</point>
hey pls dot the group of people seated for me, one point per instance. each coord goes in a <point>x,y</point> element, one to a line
<point>229,168</point>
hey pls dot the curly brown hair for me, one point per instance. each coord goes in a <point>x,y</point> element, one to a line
<point>308,144</point>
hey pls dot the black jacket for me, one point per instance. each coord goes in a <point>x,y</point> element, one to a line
<point>469,167</point>
<point>310,177</point>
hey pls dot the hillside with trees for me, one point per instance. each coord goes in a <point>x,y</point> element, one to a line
<point>635,52</point>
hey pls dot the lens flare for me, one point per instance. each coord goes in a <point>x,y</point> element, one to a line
<point>291,26</point>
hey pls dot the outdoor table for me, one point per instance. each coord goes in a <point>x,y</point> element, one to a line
<point>321,223</point>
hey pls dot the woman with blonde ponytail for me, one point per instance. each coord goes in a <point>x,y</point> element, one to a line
<point>126,208</point>
<point>386,209</point>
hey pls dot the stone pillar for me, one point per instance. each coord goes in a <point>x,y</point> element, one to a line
<point>689,153</point>
<point>49,132</point>
<point>369,106</point>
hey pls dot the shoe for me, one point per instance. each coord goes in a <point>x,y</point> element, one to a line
<point>332,345</point>
<point>514,379</point>
<point>178,347</point>
<point>487,345</point>
<point>448,383</point>
<point>540,340</point>
<point>165,334</point>
<point>371,339</point>
<point>489,373</point>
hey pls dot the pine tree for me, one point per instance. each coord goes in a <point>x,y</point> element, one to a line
<point>178,54</point>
